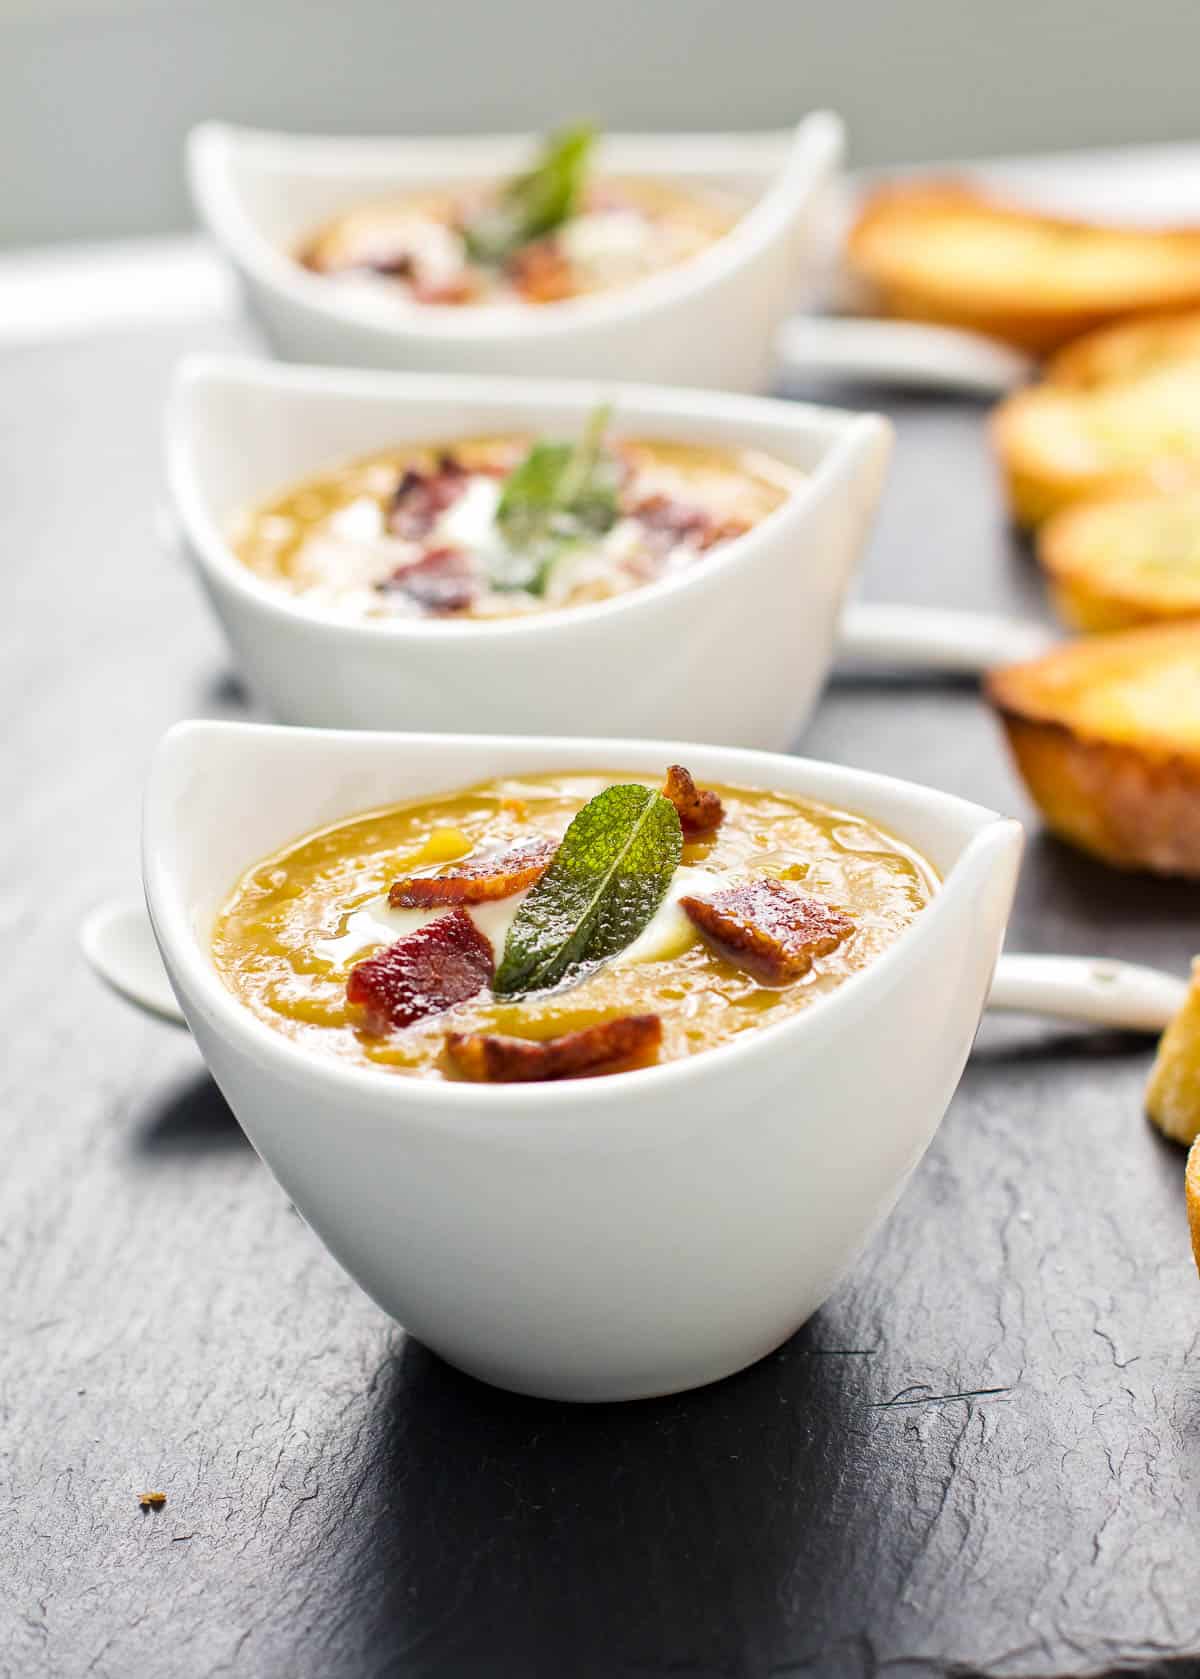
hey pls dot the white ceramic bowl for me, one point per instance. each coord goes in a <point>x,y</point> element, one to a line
<point>607,1238</point>
<point>735,649</point>
<point>709,321</point>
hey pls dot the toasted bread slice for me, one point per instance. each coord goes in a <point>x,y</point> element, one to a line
<point>1173,1093</point>
<point>1106,733</point>
<point>1192,1188</point>
<point>1125,560</point>
<point>946,251</point>
<point>1117,414</point>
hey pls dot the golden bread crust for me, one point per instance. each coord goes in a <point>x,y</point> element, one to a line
<point>945,251</point>
<point>1173,1093</point>
<point>1191,1178</point>
<point>1102,742</point>
<point>1120,562</point>
<point>1117,414</point>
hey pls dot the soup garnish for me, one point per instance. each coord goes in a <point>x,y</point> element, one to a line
<point>534,203</point>
<point>551,232</point>
<point>496,527</point>
<point>560,926</point>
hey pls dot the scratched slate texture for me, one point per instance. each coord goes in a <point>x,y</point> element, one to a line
<point>982,1457</point>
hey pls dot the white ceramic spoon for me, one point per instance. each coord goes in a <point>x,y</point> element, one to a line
<point>906,354</point>
<point>119,945</point>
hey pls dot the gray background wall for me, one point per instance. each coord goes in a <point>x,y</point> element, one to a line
<point>95,94</point>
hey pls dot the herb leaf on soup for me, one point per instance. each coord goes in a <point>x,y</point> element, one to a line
<point>608,877</point>
<point>535,202</point>
<point>559,496</point>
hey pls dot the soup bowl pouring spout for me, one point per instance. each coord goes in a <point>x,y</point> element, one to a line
<point>596,1239</point>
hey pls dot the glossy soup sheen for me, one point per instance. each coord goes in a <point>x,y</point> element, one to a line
<point>272,941</point>
<point>326,540</point>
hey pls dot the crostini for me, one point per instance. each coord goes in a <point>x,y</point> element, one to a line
<point>1124,561</point>
<point>1117,413</point>
<point>946,251</point>
<point>1173,1093</point>
<point>1106,735</point>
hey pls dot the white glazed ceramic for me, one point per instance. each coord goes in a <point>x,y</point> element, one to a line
<point>708,321</point>
<point>734,650</point>
<point>907,354</point>
<point>607,1238</point>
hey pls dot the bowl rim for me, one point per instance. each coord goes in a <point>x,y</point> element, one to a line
<point>816,146</point>
<point>841,433</point>
<point>435,1101</point>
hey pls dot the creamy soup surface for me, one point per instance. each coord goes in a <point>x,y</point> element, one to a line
<point>420,531</point>
<point>296,924</point>
<point>412,248</point>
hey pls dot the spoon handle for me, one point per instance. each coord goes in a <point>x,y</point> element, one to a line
<point>903,353</point>
<point>934,638</point>
<point>1118,994</point>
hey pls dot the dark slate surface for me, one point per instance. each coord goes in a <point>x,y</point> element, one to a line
<point>982,1456</point>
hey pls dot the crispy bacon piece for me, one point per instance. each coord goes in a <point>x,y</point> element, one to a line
<point>442,580</point>
<point>700,809</point>
<point>459,288</point>
<point>422,973</point>
<point>604,1048</point>
<point>764,927</point>
<point>420,498</point>
<point>477,881</point>
<point>675,521</point>
<point>395,265</point>
<point>672,522</point>
<point>541,273</point>
<point>723,530</point>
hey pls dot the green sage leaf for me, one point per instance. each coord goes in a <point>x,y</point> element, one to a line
<point>559,496</point>
<point>535,202</point>
<point>608,877</point>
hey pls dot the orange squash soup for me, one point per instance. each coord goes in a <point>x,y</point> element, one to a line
<point>496,527</point>
<point>551,233</point>
<point>551,926</point>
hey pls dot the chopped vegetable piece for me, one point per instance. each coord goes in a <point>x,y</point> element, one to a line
<point>764,927</point>
<point>699,809</point>
<point>535,202</point>
<point>422,973</point>
<point>477,880</point>
<point>596,1049</point>
<point>607,878</point>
